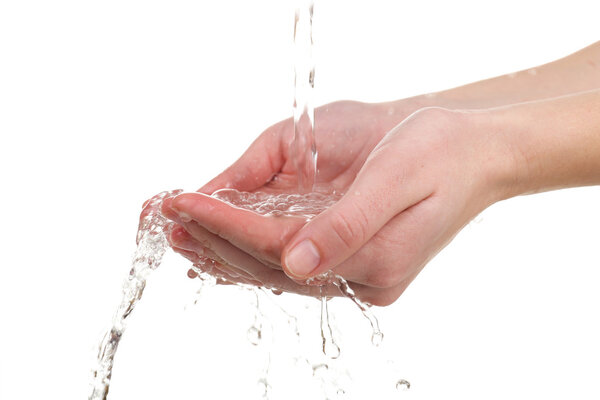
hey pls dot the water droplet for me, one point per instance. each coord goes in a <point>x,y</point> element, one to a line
<point>254,335</point>
<point>377,338</point>
<point>319,369</point>
<point>331,350</point>
<point>403,384</point>
<point>263,388</point>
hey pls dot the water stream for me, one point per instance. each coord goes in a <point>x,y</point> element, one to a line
<point>151,246</point>
<point>303,148</point>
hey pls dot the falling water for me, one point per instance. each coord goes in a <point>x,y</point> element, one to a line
<point>303,148</point>
<point>151,246</point>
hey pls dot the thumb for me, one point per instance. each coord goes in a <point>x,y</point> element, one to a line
<point>376,196</point>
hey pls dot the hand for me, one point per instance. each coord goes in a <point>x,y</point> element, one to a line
<point>345,132</point>
<point>402,206</point>
<point>417,188</point>
<point>403,202</point>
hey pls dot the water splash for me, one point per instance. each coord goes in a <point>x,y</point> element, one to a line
<point>152,243</point>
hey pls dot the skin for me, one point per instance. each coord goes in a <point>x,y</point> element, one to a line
<point>413,172</point>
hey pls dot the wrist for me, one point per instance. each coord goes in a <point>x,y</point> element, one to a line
<point>550,144</point>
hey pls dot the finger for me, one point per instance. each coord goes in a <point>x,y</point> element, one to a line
<point>189,255</point>
<point>224,273</point>
<point>180,238</point>
<point>262,274</point>
<point>168,212</point>
<point>262,237</point>
<point>263,159</point>
<point>274,279</point>
<point>380,191</point>
<point>229,253</point>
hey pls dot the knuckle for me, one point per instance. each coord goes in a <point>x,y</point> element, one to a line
<point>349,232</point>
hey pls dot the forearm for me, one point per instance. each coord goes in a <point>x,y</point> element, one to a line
<point>552,144</point>
<point>577,72</point>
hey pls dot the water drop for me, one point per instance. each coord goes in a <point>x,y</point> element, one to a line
<point>377,338</point>
<point>319,369</point>
<point>331,350</point>
<point>403,384</point>
<point>263,388</point>
<point>254,335</point>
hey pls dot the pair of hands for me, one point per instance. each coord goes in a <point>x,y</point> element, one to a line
<point>409,184</point>
<point>412,177</point>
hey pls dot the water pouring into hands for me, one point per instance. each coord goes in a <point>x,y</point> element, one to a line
<point>404,191</point>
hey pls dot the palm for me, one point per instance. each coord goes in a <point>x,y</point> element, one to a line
<point>345,134</point>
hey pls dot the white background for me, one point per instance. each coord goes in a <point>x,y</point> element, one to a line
<point>105,103</point>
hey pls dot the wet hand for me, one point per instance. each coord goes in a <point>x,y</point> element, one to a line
<point>346,132</point>
<point>417,187</point>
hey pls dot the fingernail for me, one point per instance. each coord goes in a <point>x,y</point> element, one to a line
<point>302,259</point>
<point>178,203</point>
<point>185,217</point>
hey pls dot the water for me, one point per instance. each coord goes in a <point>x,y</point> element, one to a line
<point>308,206</point>
<point>329,345</point>
<point>303,148</point>
<point>305,205</point>
<point>254,333</point>
<point>151,246</point>
<point>403,384</point>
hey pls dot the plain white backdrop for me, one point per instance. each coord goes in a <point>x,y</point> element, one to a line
<point>103,104</point>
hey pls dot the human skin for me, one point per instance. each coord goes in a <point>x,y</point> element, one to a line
<point>410,184</point>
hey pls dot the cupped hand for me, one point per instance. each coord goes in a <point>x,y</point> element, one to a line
<point>346,131</point>
<point>407,193</point>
